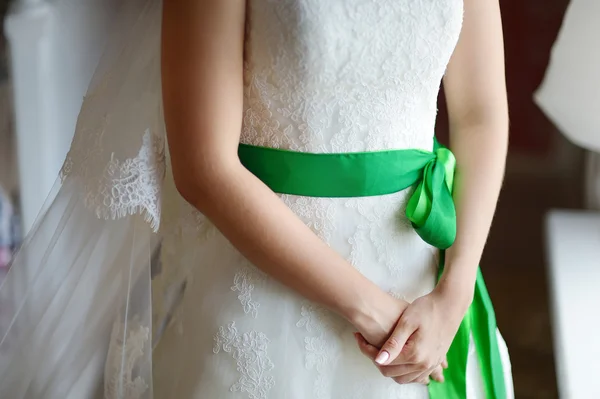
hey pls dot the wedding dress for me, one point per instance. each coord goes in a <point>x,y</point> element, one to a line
<point>124,290</point>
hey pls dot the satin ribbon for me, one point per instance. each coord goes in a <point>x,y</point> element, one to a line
<point>431,211</point>
<point>431,206</point>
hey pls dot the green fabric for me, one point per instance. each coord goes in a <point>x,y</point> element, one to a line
<point>430,210</point>
<point>486,341</point>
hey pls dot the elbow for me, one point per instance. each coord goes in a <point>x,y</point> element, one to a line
<point>493,127</point>
<point>192,185</point>
<point>188,186</point>
<point>494,121</point>
<point>200,183</point>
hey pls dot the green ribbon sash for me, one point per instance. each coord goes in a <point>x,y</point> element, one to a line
<point>430,210</point>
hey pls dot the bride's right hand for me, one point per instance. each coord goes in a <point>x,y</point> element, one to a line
<point>379,321</point>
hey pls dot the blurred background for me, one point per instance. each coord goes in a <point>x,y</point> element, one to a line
<point>51,49</point>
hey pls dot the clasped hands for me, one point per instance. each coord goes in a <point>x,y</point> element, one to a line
<point>408,342</point>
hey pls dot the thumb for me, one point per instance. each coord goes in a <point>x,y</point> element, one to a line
<point>394,344</point>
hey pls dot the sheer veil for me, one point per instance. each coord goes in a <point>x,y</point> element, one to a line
<point>77,301</point>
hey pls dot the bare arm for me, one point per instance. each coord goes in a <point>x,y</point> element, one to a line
<point>477,104</point>
<point>203,98</point>
<point>476,94</point>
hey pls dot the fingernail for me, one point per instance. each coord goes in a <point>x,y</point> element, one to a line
<point>382,357</point>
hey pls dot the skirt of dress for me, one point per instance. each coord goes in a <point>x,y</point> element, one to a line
<point>81,313</point>
<point>234,332</point>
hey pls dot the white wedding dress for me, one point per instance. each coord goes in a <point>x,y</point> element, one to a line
<point>320,76</point>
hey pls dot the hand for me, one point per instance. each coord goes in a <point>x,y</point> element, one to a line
<point>378,322</point>
<point>424,332</point>
<point>400,373</point>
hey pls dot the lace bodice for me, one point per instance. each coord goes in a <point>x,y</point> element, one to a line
<point>346,75</point>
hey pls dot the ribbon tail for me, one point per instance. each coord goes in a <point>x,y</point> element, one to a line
<point>486,341</point>
<point>480,322</point>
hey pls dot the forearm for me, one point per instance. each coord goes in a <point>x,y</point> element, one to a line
<point>273,238</point>
<point>478,114</point>
<point>202,85</point>
<point>480,151</point>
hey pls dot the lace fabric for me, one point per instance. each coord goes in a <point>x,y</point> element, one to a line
<point>118,148</point>
<point>320,78</point>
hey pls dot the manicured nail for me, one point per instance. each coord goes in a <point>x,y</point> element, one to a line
<point>382,357</point>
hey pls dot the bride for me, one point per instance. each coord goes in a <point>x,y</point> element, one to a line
<point>302,236</point>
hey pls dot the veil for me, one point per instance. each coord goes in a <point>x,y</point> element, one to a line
<point>76,304</point>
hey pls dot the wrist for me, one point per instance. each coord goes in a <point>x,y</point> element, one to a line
<point>378,315</point>
<point>368,309</point>
<point>360,312</point>
<point>456,292</point>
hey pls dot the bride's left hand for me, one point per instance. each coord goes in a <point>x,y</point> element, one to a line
<point>423,335</point>
<point>401,373</point>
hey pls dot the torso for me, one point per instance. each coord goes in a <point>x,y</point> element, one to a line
<point>320,76</point>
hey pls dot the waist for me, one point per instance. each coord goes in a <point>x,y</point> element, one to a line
<point>430,208</point>
<point>357,174</point>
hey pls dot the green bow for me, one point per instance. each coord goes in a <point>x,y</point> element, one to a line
<point>431,208</point>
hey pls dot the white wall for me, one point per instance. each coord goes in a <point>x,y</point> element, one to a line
<point>54,48</point>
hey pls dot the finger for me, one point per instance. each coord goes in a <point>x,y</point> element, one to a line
<point>409,378</point>
<point>445,363</point>
<point>366,348</point>
<point>395,343</point>
<point>423,379</point>
<point>409,353</point>
<point>395,371</point>
<point>438,374</point>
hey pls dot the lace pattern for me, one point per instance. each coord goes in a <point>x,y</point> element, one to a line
<point>243,283</point>
<point>384,225</point>
<point>253,363</point>
<point>120,187</point>
<point>322,344</point>
<point>128,346</point>
<point>118,150</point>
<point>309,87</point>
<point>316,213</point>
